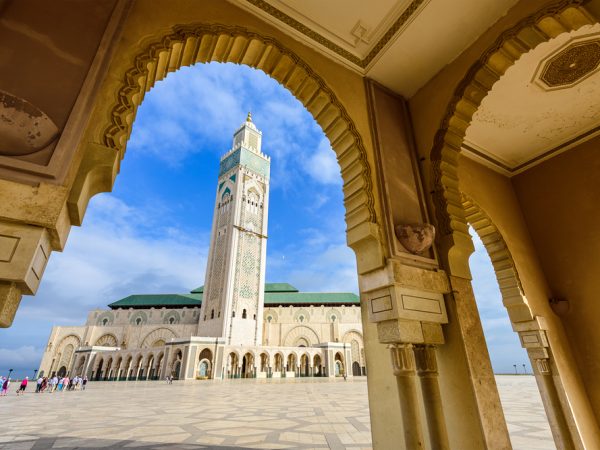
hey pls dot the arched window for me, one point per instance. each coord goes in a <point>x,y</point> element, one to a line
<point>171,320</point>
<point>269,318</point>
<point>301,318</point>
<point>254,316</point>
<point>138,321</point>
<point>104,321</point>
<point>333,317</point>
<point>212,314</point>
<point>205,317</point>
<point>244,314</point>
<point>233,314</point>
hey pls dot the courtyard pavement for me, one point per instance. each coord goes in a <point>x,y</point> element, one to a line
<point>240,414</point>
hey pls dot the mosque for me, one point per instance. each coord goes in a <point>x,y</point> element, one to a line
<point>236,325</point>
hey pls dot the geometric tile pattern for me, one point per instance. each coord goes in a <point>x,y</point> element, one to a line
<point>240,414</point>
<point>525,415</point>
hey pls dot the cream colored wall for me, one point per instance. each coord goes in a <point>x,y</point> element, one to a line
<point>317,326</point>
<point>559,199</point>
<point>154,316</point>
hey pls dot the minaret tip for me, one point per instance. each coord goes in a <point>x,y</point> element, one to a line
<point>249,117</point>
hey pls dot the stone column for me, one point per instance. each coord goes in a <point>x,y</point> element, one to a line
<point>404,369</point>
<point>432,401</point>
<point>562,423</point>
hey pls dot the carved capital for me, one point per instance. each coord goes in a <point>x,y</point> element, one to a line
<point>425,360</point>
<point>543,365</point>
<point>403,359</point>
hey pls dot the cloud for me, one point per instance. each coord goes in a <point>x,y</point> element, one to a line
<point>22,357</point>
<point>322,165</point>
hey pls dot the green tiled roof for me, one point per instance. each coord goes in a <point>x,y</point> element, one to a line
<point>275,294</point>
<point>158,300</point>
<point>310,298</point>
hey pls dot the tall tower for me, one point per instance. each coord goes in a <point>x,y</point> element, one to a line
<point>233,299</point>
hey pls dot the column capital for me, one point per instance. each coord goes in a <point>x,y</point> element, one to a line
<point>403,359</point>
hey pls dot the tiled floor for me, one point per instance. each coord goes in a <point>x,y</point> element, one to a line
<point>305,413</point>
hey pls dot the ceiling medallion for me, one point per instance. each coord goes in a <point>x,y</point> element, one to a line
<point>570,65</point>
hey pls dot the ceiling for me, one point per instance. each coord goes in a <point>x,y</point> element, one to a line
<point>387,40</point>
<point>528,116</point>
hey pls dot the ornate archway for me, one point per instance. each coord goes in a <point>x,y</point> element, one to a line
<point>452,227</point>
<point>185,45</point>
<point>529,327</point>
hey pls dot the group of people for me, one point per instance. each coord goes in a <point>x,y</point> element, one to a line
<point>46,384</point>
<point>61,383</point>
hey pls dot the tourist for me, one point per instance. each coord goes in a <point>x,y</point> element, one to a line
<point>85,380</point>
<point>38,386</point>
<point>23,386</point>
<point>60,383</point>
<point>5,385</point>
<point>44,384</point>
<point>66,382</point>
<point>53,384</point>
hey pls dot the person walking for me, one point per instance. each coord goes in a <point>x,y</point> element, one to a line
<point>54,383</point>
<point>85,380</point>
<point>38,386</point>
<point>44,384</point>
<point>23,386</point>
<point>5,386</point>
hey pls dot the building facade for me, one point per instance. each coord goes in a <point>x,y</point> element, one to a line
<point>234,326</point>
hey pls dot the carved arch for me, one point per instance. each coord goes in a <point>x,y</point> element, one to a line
<point>452,228</point>
<point>71,339</point>
<point>185,45</point>
<point>513,296</point>
<point>300,332</point>
<point>107,340</point>
<point>160,334</point>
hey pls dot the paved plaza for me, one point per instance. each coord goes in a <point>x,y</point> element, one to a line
<point>302,413</point>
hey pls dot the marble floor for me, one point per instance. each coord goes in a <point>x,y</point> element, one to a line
<point>240,414</point>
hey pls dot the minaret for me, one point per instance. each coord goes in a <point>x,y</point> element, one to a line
<point>233,299</point>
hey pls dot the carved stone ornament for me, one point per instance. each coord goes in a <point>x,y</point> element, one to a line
<point>416,237</point>
<point>24,128</point>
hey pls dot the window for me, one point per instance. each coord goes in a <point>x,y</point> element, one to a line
<point>269,318</point>
<point>254,316</point>
<point>219,314</point>
<point>244,314</point>
<point>233,314</point>
<point>212,314</point>
<point>171,320</point>
<point>301,318</point>
<point>104,321</point>
<point>205,317</point>
<point>138,321</point>
<point>333,317</point>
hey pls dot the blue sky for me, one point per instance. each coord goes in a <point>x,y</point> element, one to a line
<point>151,234</point>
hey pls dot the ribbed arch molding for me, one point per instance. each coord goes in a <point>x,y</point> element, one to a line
<point>202,43</point>
<point>560,17</point>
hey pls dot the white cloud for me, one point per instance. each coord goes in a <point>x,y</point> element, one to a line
<point>119,251</point>
<point>322,165</point>
<point>22,357</point>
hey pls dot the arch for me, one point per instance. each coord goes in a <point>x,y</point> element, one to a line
<point>513,296</point>
<point>551,21</point>
<point>264,362</point>
<point>106,340</point>
<point>172,318</point>
<point>300,332</point>
<point>204,368</point>
<point>105,319</point>
<point>157,335</point>
<point>270,313</point>
<point>189,44</point>
<point>278,361</point>
<point>139,318</point>
<point>72,339</point>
